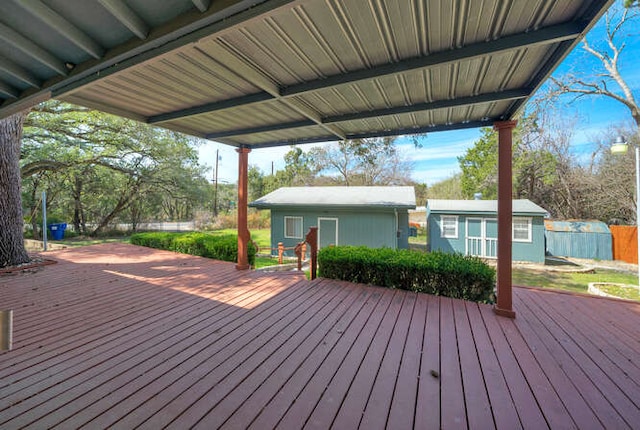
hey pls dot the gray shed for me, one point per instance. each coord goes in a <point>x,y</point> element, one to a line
<point>579,239</point>
<point>371,216</point>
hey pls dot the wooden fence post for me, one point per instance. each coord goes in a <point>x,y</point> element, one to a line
<point>280,252</point>
<point>312,240</point>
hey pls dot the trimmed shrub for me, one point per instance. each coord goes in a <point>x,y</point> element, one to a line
<point>218,247</point>
<point>451,275</point>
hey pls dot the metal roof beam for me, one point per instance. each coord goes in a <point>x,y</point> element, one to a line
<point>382,133</point>
<point>61,25</point>
<point>210,107</point>
<point>18,41</point>
<point>261,129</point>
<point>127,17</point>
<point>439,104</point>
<point>202,5</point>
<point>18,72</point>
<point>551,34</point>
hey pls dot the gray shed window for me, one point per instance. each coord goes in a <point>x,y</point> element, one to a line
<point>293,227</point>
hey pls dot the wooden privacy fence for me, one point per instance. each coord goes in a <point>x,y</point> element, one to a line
<point>625,243</point>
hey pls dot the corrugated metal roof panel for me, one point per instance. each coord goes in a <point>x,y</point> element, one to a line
<point>519,206</point>
<point>388,197</point>
<point>321,58</point>
<point>576,226</point>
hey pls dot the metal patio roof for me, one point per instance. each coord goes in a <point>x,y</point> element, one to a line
<point>276,72</point>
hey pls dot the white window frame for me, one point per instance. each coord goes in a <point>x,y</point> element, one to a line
<point>529,222</point>
<point>449,218</point>
<point>296,218</point>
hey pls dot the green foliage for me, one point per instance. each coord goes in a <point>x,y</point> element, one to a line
<point>99,169</point>
<point>216,246</point>
<point>438,273</point>
<point>479,167</point>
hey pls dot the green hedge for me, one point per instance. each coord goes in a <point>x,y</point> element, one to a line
<point>438,273</point>
<point>219,247</point>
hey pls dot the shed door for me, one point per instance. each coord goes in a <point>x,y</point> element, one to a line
<point>327,232</point>
<point>481,237</point>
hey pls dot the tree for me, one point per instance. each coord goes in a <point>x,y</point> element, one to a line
<point>109,167</point>
<point>362,162</point>
<point>450,188</point>
<point>12,250</point>
<point>608,81</point>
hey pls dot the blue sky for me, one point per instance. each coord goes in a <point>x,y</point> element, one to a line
<point>436,160</point>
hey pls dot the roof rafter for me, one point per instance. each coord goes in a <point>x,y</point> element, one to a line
<point>439,104</point>
<point>9,90</point>
<point>18,72</point>
<point>18,41</point>
<point>127,17</point>
<point>62,26</point>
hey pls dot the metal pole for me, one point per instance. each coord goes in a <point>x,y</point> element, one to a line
<point>44,220</point>
<point>638,208</point>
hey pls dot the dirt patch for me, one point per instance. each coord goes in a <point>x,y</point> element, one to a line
<point>34,263</point>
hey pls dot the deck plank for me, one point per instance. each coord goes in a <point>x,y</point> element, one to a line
<point>427,415</point>
<point>476,398</point>
<point>119,336</point>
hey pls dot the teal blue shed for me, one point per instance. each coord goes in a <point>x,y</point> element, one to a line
<point>371,216</point>
<point>470,227</point>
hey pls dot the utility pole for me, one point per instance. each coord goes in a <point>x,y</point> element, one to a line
<point>215,188</point>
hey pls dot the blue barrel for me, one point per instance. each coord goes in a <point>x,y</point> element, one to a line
<point>57,230</point>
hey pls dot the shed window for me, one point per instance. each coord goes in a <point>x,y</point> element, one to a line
<point>293,227</point>
<point>521,229</point>
<point>449,227</point>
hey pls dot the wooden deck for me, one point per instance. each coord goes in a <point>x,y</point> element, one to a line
<point>118,336</point>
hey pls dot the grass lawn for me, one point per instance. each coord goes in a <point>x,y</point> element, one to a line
<point>261,236</point>
<point>576,282</point>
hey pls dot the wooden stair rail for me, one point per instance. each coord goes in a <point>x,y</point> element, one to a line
<point>312,239</point>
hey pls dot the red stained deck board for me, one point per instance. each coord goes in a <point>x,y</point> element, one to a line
<point>210,412</point>
<point>476,397</point>
<point>386,383</point>
<point>503,407</point>
<point>245,402</point>
<point>403,406</point>
<point>322,397</point>
<point>427,414</point>
<point>452,404</point>
<point>79,393</point>
<point>570,395</point>
<point>116,334</point>
<point>555,340</point>
<point>526,405</point>
<point>313,374</point>
<point>600,370</point>
<point>172,377</point>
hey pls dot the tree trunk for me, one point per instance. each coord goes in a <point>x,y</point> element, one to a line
<point>12,251</point>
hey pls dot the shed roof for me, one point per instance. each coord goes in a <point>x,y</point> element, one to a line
<point>277,72</point>
<point>577,226</point>
<point>520,207</point>
<point>339,197</point>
